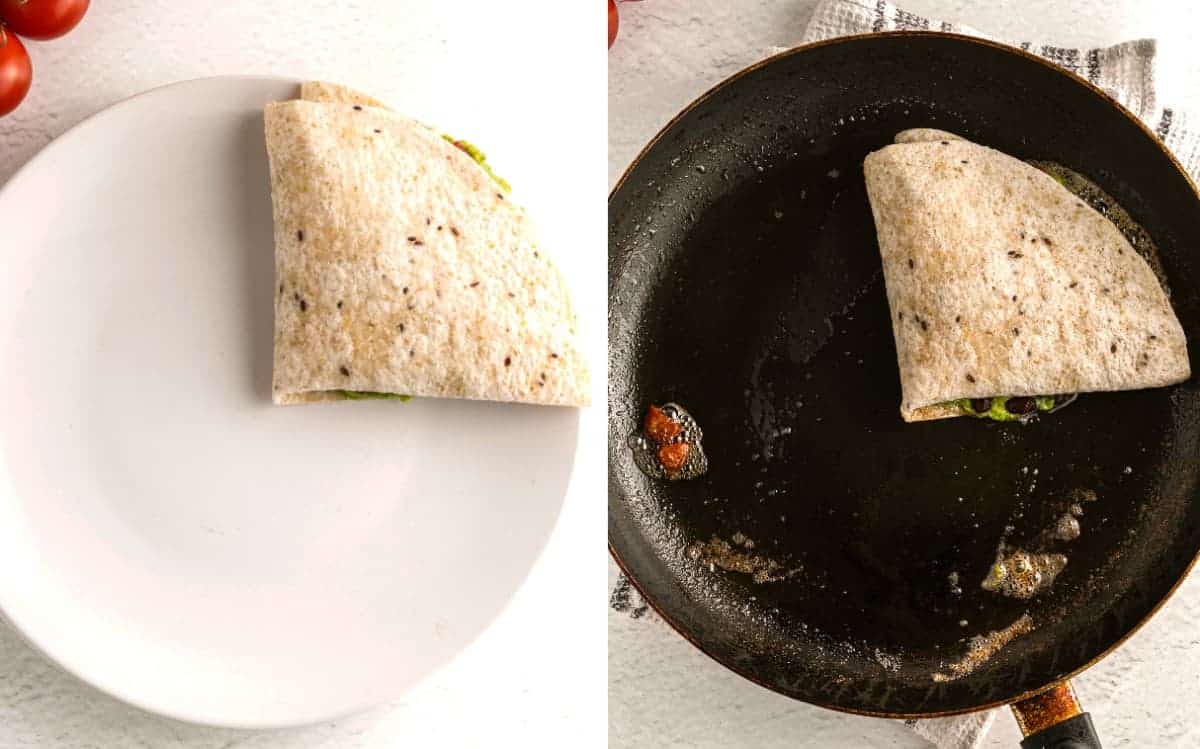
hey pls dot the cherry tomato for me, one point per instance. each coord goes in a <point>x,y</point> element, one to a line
<point>16,72</point>
<point>42,19</point>
<point>613,22</point>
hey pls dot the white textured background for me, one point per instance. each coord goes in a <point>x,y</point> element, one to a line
<point>527,680</point>
<point>662,692</point>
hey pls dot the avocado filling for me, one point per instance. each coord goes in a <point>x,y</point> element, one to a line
<point>365,395</point>
<point>1007,408</point>
<point>480,159</point>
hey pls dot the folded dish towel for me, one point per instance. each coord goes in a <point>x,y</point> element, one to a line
<point>1127,72</point>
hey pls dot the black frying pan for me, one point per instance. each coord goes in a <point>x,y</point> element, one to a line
<point>744,280</point>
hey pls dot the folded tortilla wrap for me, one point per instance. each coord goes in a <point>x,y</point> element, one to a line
<point>1002,282</point>
<point>402,266</point>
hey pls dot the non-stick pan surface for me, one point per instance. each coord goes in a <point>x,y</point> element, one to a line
<point>745,284</point>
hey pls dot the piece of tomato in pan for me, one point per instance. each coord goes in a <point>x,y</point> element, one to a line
<point>668,444</point>
<point>673,456</point>
<point>660,427</point>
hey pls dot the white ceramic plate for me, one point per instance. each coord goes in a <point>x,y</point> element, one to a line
<point>166,533</point>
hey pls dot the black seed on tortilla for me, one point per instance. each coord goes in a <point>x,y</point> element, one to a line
<point>910,263</point>
<point>412,240</point>
<point>924,325</point>
<point>945,143</point>
<point>303,306</point>
<point>958,318</point>
<point>970,377</point>
<point>512,295</point>
<point>535,253</point>
<point>357,108</point>
<point>474,284</point>
<point>296,295</point>
<point>412,352</point>
<point>1112,349</point>
<point>411,305</point>
<point>454,230</point>
<point>1014,254</point>
<point>280,288</point>
<point>377,130</point>
<point>429,221</point>
<point>964,161</point>
<point>500,195</point>
<point>440,227</point>
<point>543,376</point>
<point>340,304</point>
<point>1016,331</point>
<point>345,371</point>
<point>1153,337</point>
<point>1022,235</point>
<point>1029,352</point>
<point>1047,241</point>
<point>401,327</point>
<point>901,316</point>
<point>405,291</point>
<point>1073,284</point>
<point>1014,297</point>
<point>300,234</point>
<point>1033,240</point>
<point>553,355</point>
<point>507,361</point>
<point>1104,290</point>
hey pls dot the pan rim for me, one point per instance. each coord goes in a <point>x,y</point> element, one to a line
<point>1095,90</point>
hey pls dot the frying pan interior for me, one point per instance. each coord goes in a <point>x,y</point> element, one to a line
<point>745,284</point>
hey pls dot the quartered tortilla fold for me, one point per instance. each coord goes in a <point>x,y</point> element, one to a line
<point>403,268</point>
<point>1001,282</point>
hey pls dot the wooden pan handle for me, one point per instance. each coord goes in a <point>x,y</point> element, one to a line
<point>1053,720</point>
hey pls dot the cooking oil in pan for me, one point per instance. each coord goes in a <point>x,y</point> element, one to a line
<point>737,555</point>
<point>982,648</point>
<point>1020,574</point>
<point>646,450</point>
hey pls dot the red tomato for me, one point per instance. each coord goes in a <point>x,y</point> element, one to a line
<point>16,72</point>
<point>42,19</point>
<point>613,22</point>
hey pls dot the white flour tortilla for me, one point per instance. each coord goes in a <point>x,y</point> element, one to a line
<point>1001,282</point>
<point>403,268</point>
